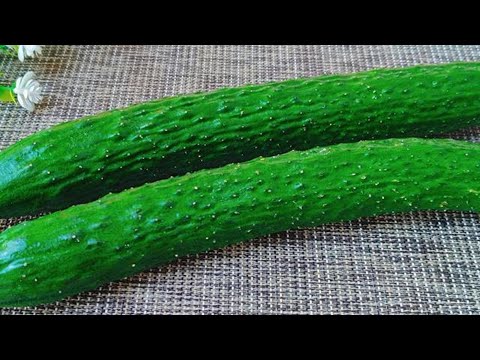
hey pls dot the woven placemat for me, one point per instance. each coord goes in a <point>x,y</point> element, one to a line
<point>419,263</point>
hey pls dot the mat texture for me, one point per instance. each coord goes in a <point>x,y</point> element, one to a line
<point>422,263</point>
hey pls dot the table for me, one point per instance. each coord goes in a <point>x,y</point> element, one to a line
<point>417,263</point>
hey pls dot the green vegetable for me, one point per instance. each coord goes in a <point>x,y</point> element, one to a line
<point>80,161</point>
<point>121,234</point>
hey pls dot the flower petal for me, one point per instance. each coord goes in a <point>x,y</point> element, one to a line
<point>21,100</point>
<point>21,54</point>
<point>30,106</point>
<point>29,76</point>
<point>26,79</point>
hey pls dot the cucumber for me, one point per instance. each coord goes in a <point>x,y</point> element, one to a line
<point>83,247</point>
<point>79,161</point>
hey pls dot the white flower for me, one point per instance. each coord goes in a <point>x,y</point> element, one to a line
<point>25,51</point>
<point>28,51</point>
<point>28,91</point>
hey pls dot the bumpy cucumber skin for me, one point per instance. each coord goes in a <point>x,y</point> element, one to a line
<point>80,161</point>
<point>88,245</point>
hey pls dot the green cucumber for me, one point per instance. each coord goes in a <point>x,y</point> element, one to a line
<point>83,247</point>
<point>79,161</point>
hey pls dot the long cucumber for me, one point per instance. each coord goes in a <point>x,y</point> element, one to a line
<point>85,246</point>
<point>79,161</point>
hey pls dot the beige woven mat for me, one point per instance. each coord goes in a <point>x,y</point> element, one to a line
<point>413,264</point>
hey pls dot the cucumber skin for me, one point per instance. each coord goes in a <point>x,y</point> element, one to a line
<point>85,246</point>
<point>80,161</point>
